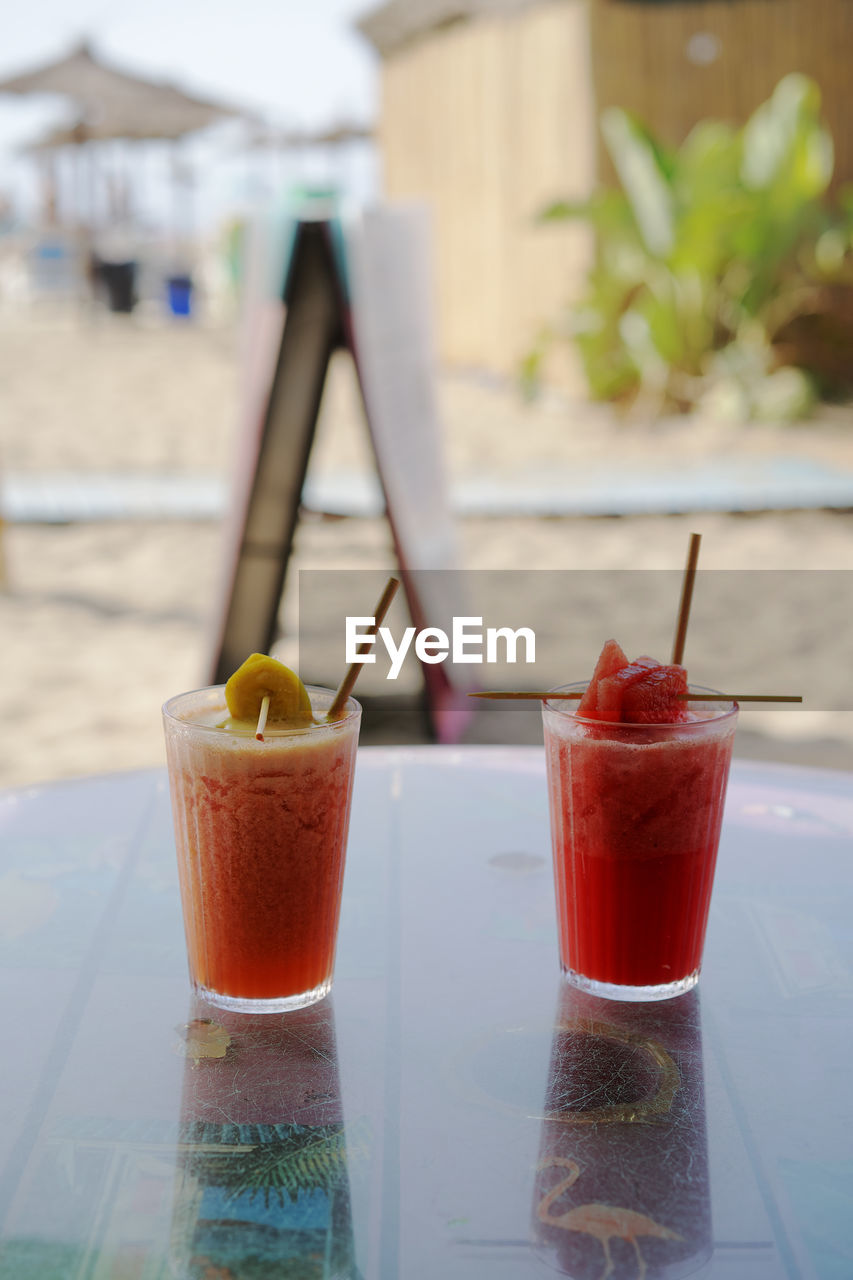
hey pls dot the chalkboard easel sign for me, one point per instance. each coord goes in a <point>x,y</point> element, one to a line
<point>366,291</point>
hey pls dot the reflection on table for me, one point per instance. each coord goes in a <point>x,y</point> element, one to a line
<point>455,1110</point>
<point>623,1157</point>
<point>261,1181</point>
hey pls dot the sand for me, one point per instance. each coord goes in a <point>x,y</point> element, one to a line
<point>101,621</point>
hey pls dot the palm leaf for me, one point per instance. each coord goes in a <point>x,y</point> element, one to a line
<point>305,1160</point>
<point>645,179</point>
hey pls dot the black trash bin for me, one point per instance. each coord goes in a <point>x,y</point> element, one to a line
<point>119,282</point>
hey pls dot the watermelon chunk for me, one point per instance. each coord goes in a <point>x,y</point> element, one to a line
<point>612,691</point>
<point>654,697</point>
<point>611,659</point>
<point>641,692</point>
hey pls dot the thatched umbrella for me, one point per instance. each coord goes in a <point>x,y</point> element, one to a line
<point>113,103</point>
<point>334,140</point>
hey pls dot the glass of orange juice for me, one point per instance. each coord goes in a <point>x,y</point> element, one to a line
<point>261,832</point>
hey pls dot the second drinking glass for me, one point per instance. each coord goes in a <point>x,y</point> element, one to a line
<point>636,811</point>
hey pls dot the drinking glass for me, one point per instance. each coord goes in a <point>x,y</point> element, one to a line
<point>636,811</point>
<point>261,833</point>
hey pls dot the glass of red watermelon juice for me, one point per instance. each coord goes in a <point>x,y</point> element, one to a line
<point>636,811</point>
<point>261,832</point>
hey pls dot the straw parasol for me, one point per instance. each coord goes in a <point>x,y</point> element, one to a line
<point>113,103</point>
<point>334,135</point>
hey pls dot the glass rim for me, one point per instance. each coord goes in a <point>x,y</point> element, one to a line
<point>561,708</point>
<point>352,711</point>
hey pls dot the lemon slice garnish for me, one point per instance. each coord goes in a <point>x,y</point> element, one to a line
<point>261,676</point>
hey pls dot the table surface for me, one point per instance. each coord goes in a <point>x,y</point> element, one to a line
<point>454,1110</point>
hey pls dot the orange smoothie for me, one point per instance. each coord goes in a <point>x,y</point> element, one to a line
<point>261,831</point>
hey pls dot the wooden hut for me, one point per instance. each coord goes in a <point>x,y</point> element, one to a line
<point>490,107</point>
<point>487,113</point>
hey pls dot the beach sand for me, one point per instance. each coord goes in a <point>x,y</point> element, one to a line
<point>101,621</point>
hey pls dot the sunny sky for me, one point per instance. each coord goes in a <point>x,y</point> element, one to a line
<point>296,62</point>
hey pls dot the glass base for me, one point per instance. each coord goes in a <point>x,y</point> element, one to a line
<point>275,1004</point>
<point>615,991</point>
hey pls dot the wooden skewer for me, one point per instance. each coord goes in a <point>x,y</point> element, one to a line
<point>686,597</point>
<point>346,686</point>
<point>545,695</point>
<point>740,697</point>
<point>678,654</point>
<point>262,717</point>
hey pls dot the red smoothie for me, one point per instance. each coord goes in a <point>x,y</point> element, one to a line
<point>636,811</point>
<point>261,831</point>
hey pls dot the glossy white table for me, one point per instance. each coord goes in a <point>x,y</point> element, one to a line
<point>455,1110</point>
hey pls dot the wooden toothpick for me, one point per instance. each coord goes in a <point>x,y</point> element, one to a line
<point>262,717</point>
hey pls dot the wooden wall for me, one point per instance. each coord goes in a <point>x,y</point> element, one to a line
<point>641,60</point>
<point>489,121</point>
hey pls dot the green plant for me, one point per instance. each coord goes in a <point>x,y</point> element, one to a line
<point>723,276</point>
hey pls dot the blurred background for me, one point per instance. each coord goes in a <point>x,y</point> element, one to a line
<point>641,278</point>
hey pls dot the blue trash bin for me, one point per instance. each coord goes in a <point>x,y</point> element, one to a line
<point>180,295</point>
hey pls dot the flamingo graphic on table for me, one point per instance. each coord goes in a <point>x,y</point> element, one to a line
<point>603,1221</point>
